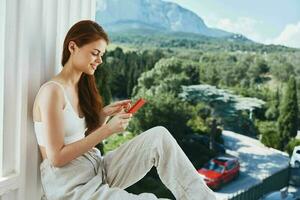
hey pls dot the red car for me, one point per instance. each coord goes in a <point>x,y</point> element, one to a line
<point>220,170</point>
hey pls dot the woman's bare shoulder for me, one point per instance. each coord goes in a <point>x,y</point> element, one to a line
<point>49,87</point>
<point>49,90</point>
<point>43,96</point>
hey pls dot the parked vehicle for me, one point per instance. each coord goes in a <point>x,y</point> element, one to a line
<point>204,140</point>
<point>295,159</point>
<point>280,195</point>
<point>219,171</point>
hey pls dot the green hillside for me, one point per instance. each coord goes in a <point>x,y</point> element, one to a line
<point>149,39</point>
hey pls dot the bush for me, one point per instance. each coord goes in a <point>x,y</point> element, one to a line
<point>116,140</point>
<point>269,133</point>
<point>162,110</point>
<point>290,146</point>
<point>199,120</point>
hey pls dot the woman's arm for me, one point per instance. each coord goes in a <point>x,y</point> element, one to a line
<point>73,150</point>
<point>103,118</point>
<point>51,108</point>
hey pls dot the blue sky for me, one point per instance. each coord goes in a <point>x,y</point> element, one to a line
<point>265,21</point>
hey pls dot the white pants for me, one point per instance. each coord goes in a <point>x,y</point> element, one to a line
<point>92,176</point>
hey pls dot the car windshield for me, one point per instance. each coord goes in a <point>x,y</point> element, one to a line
<point>214,166</point>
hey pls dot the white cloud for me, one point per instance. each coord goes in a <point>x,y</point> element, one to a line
<point>290,36</point>
<point>243,25</point>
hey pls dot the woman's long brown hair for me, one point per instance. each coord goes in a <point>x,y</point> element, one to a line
<point>90,101</point>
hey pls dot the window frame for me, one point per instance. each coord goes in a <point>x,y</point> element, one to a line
<point>11,102</point>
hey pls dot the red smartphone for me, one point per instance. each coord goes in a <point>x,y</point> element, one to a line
<point>137,106</point>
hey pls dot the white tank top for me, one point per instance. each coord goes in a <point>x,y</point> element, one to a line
<point>74,126</point>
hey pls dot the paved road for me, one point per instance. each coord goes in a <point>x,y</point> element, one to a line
<point>257,162</point>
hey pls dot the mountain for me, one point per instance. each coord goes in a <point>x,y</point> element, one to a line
<point>157,15</point>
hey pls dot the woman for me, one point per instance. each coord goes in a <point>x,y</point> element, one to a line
<point>70,121</point>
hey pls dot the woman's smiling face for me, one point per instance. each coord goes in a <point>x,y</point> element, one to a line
<point>87,57</point>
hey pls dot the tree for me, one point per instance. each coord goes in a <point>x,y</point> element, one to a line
<point>165,110</point>
<point>269,133</point>
<point>102,76</point>
<point>282,70</point>
<point>160,87</point>
<point>167,75</point>
<point>288,119</point>
<point>273,111</point>
<point>121,70</point>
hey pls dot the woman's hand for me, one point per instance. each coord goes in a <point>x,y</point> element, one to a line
<point>119,122</point>
<point>116,107</point>
<point>113,109</point>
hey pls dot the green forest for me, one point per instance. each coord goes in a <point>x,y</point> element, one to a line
<point>166,68</point>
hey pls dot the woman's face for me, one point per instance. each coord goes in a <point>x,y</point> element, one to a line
<point>87,57</point>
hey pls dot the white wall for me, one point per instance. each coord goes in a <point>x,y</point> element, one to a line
<point>31,37</point>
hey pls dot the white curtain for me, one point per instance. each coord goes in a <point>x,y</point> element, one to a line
<point>31,38</point>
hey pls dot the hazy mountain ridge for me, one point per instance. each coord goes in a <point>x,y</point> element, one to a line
<point>118,15</point>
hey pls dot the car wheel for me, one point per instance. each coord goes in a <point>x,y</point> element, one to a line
<point>297,164</point>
